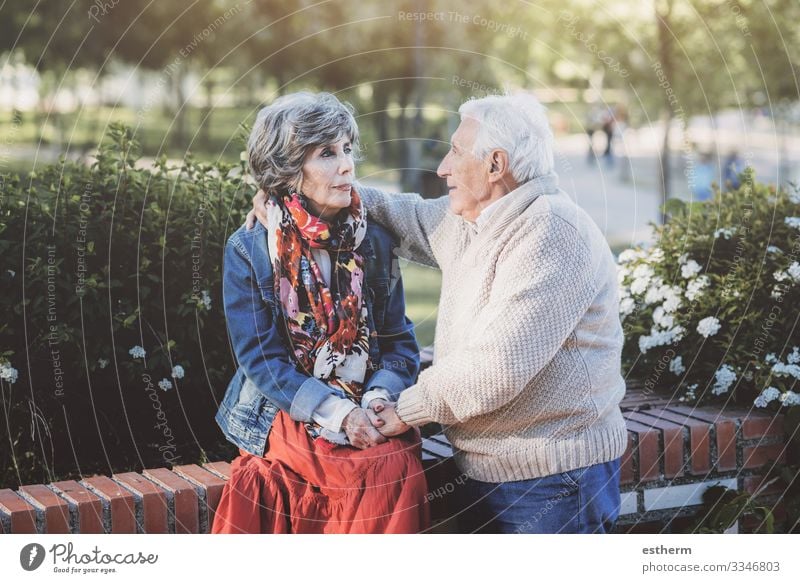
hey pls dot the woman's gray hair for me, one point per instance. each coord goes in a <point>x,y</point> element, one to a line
<point>288,128</point>
<point>516,123</point>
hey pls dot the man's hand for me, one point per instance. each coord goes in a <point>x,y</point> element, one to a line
<point>377,405</point>
<point>387,412</point>
<point>259,211</point>
<point>360,430</point>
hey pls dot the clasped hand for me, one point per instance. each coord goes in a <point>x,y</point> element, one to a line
<point>371,426</point>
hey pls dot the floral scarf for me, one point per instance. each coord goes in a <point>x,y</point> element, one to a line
<point>326,325</point>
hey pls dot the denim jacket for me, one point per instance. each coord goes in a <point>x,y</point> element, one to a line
<point>266,379</point>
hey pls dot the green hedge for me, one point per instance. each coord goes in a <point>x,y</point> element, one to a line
<point>96,261</point>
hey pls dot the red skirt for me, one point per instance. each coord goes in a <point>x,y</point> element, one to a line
<point>305,485</point>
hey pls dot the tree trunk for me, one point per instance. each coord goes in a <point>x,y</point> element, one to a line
<point>663,9</point>
<point>664,163</point>
<point>179,124</point>
<point>380,101</point>
<point>401,133</point>
<point>206,128</point>
<point>413,142</point>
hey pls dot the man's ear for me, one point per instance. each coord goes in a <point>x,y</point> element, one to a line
<point>498,160</point>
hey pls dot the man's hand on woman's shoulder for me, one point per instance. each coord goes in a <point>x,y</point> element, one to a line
<point>258,212</point>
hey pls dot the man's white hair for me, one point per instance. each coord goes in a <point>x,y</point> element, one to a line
<point>516,123</point>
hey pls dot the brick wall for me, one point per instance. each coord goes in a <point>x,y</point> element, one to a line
<point>160,500</point>
<point>674,453</point>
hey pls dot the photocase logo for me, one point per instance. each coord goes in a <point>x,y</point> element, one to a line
<point>31,556</point>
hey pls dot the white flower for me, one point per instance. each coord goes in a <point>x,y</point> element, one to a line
<point>790,398</point>
<point>676,366</point>
<point>672,298</point>
<point>137,352</point>
<point>777,293</point>
<point>11,272</point>
<point>794,357</point>
<point>770,358</point>
<point>726,233</point>
<point>794,271</point>
<point>724,377</point>
<point>8,373</point>
<point>656,255</point>
<point>794,196</point>
<point>784,370</point>
<point>690,269</point>
<point>774,249</point>
<point>626,306</point>
<point>780,276</point>
<point>793,222</point>
<point>643,271</point>
<point>638,286</point>
<point>689,395</point>
<point>206,299</point>
<point>177,372</point>
<point>642,275</point>
<point>695,288</point>
<point>660,338</point>
<point>708,326</point>
<point>102,362</point>
<point>661,318</point>
<point>630,255</point>
<point>165,384</point>
<point>655,293</point>
<point>766,397</point>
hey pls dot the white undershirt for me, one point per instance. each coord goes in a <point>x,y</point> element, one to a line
<point>481,219</point>
<point>332,411</point>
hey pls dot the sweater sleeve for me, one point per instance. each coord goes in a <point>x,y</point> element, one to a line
<point>418,224</point>
<point>544,283</point>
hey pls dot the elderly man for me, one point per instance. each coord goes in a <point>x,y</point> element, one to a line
<point>526,372</point>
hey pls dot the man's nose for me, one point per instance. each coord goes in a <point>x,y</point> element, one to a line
<point>443,169</point>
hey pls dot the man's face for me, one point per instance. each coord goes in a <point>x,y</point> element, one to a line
<point>467,176</point>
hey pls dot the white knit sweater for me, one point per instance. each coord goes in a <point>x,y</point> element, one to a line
<point>526,371</point>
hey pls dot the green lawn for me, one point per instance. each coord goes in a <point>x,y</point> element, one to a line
<point>422,285</point>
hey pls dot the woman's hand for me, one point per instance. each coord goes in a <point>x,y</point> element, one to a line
<point>259,210</point>
<point>360,430</point>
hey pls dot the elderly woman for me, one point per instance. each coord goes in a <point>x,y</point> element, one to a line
<point>316,315</point>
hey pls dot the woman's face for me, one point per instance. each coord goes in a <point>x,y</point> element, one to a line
<point>328,175</point>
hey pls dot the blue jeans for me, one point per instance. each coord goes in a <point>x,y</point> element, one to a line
<point>585,500</point>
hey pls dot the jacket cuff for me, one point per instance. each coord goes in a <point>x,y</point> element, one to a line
<point>375,393</point>
<point>332,411</point>
<point>411,407</point>
<point>386,380</point>
<point>308,398</point>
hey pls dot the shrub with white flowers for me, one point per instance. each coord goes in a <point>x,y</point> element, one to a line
<point>716,296</point>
